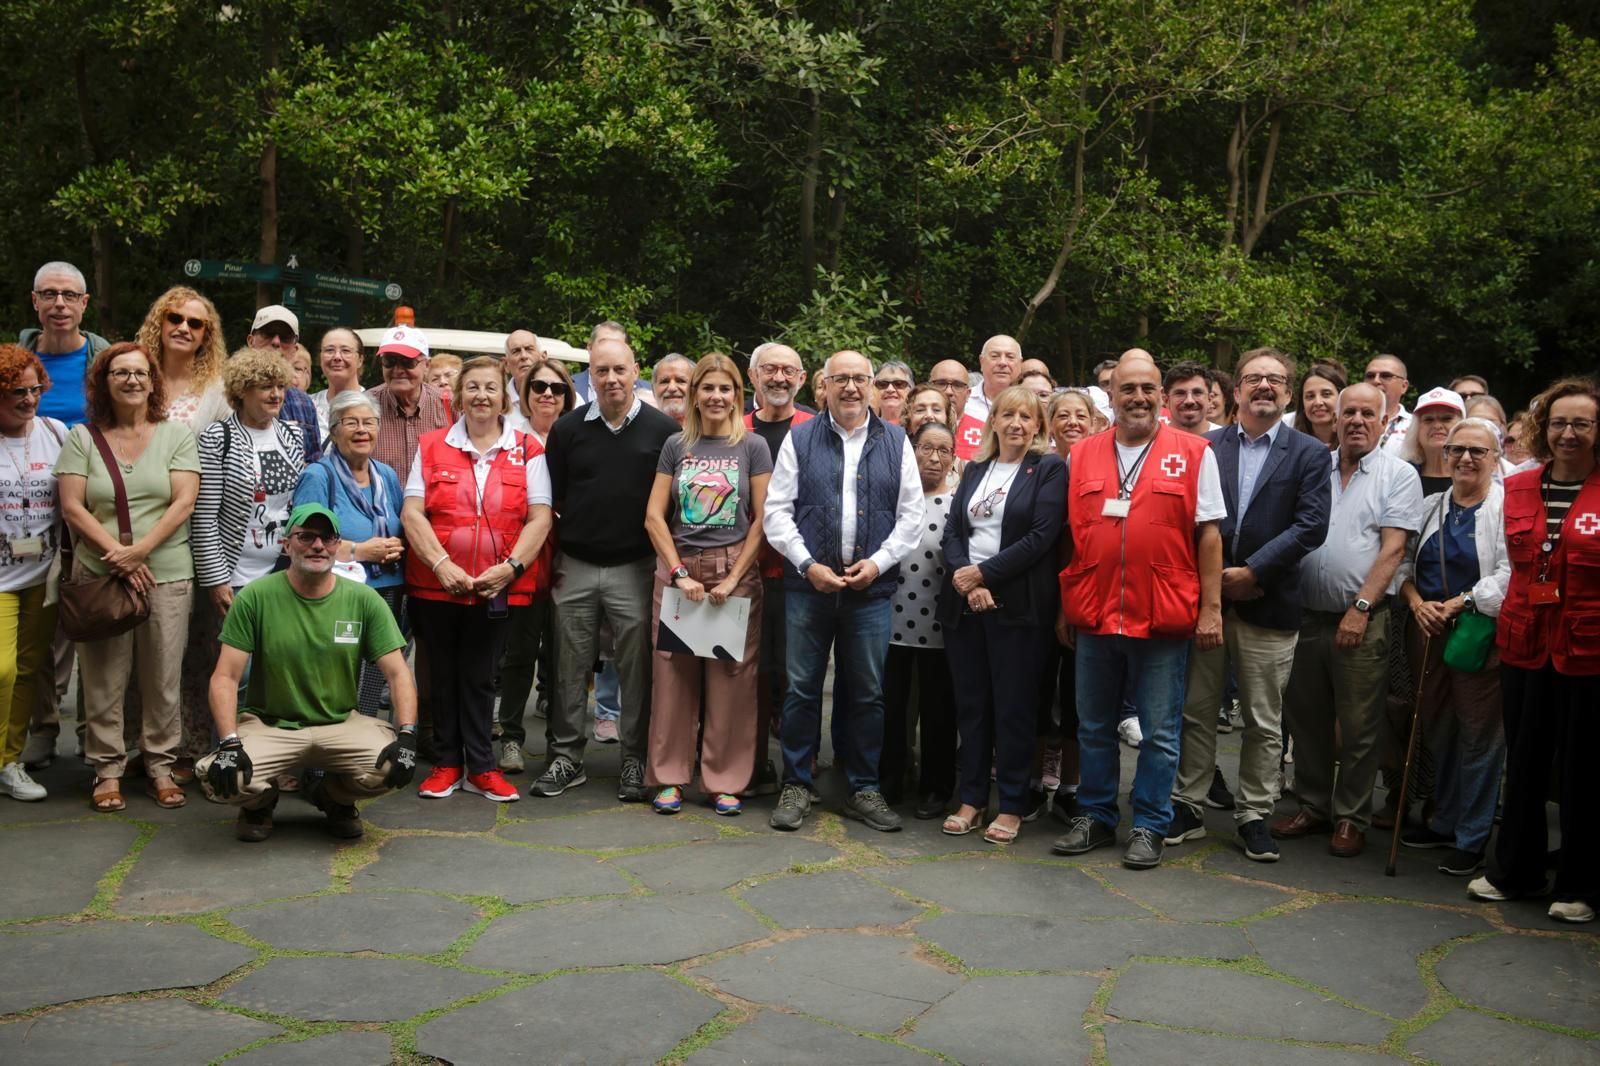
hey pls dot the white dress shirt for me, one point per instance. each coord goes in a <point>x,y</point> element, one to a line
<point>778,521</point>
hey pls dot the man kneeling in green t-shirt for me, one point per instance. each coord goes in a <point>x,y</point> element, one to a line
<point>305,634</point>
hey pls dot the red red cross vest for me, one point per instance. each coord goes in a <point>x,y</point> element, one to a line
<point>1137,576</point>
<point>475,541</point>
<point>1565,633</point>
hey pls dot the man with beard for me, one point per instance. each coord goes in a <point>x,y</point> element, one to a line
<point>1000,362</point>
<point>776,374</point>
<point>1144,580</point>
<point>1187,389</point>
<point>670,382</point>
<point>1275,484</point>
<point>304,634</point>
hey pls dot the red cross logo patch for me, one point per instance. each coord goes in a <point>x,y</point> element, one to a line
<point>1588,524</point>
<point>1174,465</point>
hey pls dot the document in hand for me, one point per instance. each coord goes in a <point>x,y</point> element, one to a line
<point>703,628</point>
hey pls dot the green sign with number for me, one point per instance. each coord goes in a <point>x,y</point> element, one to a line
<point>231,270</point>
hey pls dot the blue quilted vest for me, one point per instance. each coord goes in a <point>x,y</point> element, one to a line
<point>819,455</point>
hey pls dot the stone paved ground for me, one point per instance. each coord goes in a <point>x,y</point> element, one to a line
<point>579,931</point>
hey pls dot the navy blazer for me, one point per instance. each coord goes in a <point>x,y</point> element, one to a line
<point>1287,519</point>
<point>1022,575</point>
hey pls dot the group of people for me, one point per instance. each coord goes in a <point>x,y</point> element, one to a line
<point>1008,577</point>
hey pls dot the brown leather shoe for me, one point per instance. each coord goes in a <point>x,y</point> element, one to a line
<point>1299,824</point>
<point>1348,841</point>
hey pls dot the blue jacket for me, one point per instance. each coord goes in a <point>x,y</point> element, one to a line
<point>1287,519</point>
<point>819,454</point>
<point>1022,575</point>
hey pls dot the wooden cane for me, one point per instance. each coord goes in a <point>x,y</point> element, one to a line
<point>1411,755</point>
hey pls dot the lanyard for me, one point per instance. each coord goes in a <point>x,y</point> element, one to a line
<point>1126,477</point>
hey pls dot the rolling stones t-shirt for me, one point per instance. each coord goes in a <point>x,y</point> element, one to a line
<point>710,501</point>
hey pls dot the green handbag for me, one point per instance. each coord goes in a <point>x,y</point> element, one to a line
<point>1471,633</point>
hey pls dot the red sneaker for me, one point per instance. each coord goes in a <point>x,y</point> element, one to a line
<point>439,784</point>
<point>492,784</point>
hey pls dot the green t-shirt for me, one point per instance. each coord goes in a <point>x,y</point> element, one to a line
<point>306,663</point>
<point>149,488</point>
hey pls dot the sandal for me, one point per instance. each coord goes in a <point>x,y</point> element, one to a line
<point>957,826</point>
<point>104,799</point>
<point>167,795</point>
<point>1001,834</point>
<point>183,772</point>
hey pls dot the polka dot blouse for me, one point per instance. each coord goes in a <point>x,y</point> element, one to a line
<point>916,596</point>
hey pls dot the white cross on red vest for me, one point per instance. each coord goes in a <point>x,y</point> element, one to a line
<point>1587,523</point>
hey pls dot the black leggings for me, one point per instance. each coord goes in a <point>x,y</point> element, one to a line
<point>464,646</point>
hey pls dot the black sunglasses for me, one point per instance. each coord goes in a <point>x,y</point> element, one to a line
<point>555,388</point>
<point>194,323</point>
<point>395,362</point>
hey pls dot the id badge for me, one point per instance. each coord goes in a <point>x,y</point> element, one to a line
<point>1116,508</point>
<point>1544,593</point>
<point>27,546</point>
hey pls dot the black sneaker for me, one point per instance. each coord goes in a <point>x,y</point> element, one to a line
<point>931,805</point>
<point>1038,802</point>
<point>630,787</point>
<point>1458,863</point>
<point>1144,849</point>
<point>343,820</point>
<point>870,807</point>
<point>1085,834</point>
<point>1257,841</point>
<point>560,775</point>
<point>1218,798</point>
<point>1422,836</point>
<point>253,827</point>
<point>794,803</point>
<point>1186,825</point>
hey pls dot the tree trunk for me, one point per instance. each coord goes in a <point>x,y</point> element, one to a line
<point>355,244</point>
<point>100,237</point>
<point>1069,241</point>
<point>268,251</point>
<point>445,241</point>
<point>835,235</point>
<point>808,197</point>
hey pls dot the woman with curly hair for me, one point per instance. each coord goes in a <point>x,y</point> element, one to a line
<point>160,471</point>
<point>29,518</point>
<point>183,334</point>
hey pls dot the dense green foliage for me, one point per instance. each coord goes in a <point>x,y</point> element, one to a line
<point>1336,177</point>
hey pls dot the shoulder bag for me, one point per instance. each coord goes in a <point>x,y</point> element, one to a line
<point>1471,634</point>
<point>99,607</point>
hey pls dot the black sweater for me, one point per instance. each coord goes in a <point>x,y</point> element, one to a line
<point>600,482</point>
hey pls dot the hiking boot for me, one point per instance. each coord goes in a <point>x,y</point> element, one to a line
<point>1186,825</point>
<point>630,787</point>
<point>1144,849</point>
<point>560,775</point>
<point>253,826</point>
<point>1085,834</point>
<point>794,803</point>
<point>870,807</point>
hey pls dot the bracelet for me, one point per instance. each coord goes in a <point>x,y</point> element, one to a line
<point>224,740</point>
<point>445,558</point>
<point>411,728</point>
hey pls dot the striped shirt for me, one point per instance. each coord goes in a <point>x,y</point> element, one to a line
<point>1559,496</point>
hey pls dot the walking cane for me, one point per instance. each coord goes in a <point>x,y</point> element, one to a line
<point>1411,755</point>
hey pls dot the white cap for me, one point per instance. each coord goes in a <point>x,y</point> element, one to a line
<point>1440,398</point>
<point>404,340</point>
<point>275,313</point>
<point>1102,402</point>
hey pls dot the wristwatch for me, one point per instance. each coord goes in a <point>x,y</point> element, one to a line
<point>516,568</point>
<point>680,573</point>
<point>1363,605</point>
<point>1467,602</point>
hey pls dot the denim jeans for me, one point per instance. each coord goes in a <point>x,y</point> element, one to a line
<point>607,693</point>
<point>856,629</point>
<point>1154,671</point>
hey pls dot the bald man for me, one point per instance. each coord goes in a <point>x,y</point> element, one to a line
<point>1144,578</point>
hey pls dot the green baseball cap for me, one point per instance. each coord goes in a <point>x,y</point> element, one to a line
<point>307,511</point>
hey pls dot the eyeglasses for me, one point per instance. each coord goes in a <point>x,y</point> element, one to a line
<point>984,508</point>
<point>121,374</point>
<point>307,538</point>
<point>359,423</point>
<point>1580,426</point>
<point>554,388</point>
<point>1456,451</point>
<point>397,362</point>
<point>1382,375</point>
<point>1277,381</point>
<point>340,349</point>
<point>278,331</point>
<point>26,392</point>
<point>50,296</point>
<point>175,319</point>
<point>934,453</point>
<point>773,370</point>
<point>947,383</point>
<point>858,380</point>
<point>898,384</point>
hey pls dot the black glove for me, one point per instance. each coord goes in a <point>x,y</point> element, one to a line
<point>402,759</point>
<point>228,765</point>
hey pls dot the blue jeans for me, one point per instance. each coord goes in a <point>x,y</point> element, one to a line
<point>856,630</point>
<point>607,693</point>
<point>1155,674</point>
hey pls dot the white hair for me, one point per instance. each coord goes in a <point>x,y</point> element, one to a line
<point>58,267</point>
<point>1476,423</point>
<point>348,399</point>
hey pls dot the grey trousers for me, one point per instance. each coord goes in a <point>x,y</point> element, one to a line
<point>1262,659</point>
<point>1331,685</point>
<point>584,596</point>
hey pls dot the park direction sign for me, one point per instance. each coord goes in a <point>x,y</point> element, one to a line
<point>317,297</point>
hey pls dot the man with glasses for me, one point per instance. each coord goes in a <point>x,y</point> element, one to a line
<point>843,527</point>
<point>1469,387</point>
<point>408,407</point>
<point>951,377</point>
<point>1388,374</point>
<point>304,635</point>
<point>278,328</point>
<point>893,383</point>
<point>1276,489</point>
<point>60,298</point>
<point>1186,389</point>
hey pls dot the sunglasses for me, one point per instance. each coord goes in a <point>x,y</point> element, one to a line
<point>396,362</point>
<point>554,388</point>
<point>885,384</point>
<point>307,537</point>
<point>175,319</point>
<point>1456,451</point>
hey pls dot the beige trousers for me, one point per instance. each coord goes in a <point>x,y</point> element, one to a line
<point>153,651</point>
<point>348,752</point>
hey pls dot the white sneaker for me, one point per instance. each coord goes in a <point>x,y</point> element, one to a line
<point>1575,911</point>
<point>511,761</point>
<point>1050,768</point>
<point>15,782</point>
<point>1482,888</point>
<point>1128,729</point>
<point>38,753</point>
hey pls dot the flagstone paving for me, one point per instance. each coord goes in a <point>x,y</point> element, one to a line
<point>579,930</point>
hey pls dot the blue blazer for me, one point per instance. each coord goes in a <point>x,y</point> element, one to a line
<point>1286,520</point>
<point>1022,575</point>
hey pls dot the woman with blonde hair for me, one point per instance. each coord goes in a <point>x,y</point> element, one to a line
<point>704,519</point>
<point>183,334</point>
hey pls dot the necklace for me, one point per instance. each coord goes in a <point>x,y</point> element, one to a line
<point>138,439</point>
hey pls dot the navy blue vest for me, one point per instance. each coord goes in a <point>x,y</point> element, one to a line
<point>819,455</point>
